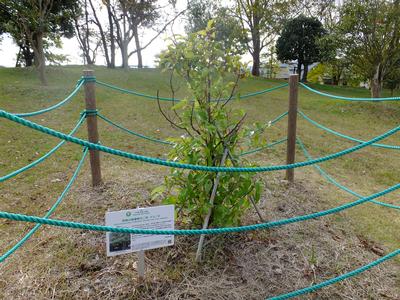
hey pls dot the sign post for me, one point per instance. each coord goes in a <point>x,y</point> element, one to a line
<point>141,267</point>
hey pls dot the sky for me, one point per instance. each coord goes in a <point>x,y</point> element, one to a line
<point>8,49</point>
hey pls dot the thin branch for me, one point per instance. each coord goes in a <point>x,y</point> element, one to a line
<point>191,120</point>
<point>233,90</point>
<point>157,35</point>
<point>169,119</point>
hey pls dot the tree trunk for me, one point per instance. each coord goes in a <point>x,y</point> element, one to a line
<point>255,70</point>
<point>40,60</point>
<point>376,83</point>
<point>112,37</point>
<point>28,56</point>
<point>375,88</point>
<point>138,50</point>
<point>305,73</point>
<point>125,55</point>
<point>102,33</point>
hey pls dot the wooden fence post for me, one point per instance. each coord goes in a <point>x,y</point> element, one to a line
<point>292,124</point>
<point>91,121</point>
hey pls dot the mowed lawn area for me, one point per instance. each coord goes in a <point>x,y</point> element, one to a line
<point>366,171</point>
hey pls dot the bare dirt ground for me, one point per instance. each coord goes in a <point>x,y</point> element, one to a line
<point>72,264</point>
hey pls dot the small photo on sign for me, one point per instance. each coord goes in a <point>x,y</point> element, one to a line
<point>119,241</point>
<point>156,218</point>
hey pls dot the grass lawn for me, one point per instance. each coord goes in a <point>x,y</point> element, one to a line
<point>366,171</point>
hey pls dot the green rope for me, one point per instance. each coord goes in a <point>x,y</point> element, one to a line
<point>126,91</point>
<point>273,122</point>
<point>278,118</point>
<point>334,182</point>
<point>173,164</point>
<point>59,104</point>
<point>348,98</point>
<point>39,160</point>
<point>263,147</point>
<point>353,273</point>
<point>343,135</point>
<point>50,211</point>
<point>133,132</point>
<point>93,227</point>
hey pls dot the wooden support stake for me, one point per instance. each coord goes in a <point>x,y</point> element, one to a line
<point>292,123</point>
<point>212,197</point>
<point>91,121</point>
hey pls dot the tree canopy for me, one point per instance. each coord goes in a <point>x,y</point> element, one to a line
<point>39,21</point>
<point>371,33</point>
<point>299,41</point>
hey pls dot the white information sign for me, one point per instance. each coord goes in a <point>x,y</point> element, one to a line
<point>157,217</point>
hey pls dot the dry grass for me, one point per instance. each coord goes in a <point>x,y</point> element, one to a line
<point>71,264</point>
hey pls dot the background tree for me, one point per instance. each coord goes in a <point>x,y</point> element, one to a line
<point>299,41</point>
<point>371,31</point>
<point>261,20</point>
<point>39,21</point>
<point>199,13</point>
<point>88,40</point>
<point>227,30</point>
<point>130,16</point>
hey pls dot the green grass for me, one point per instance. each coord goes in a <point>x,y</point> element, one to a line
<point>366,171</point>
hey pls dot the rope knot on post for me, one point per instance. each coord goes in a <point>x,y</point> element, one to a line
<point>88,78</point>
<point>89,112</point>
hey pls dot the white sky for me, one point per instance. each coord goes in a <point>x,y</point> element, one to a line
<point>8,50</point>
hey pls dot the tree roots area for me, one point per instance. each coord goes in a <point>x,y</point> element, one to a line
<point>72,264</point>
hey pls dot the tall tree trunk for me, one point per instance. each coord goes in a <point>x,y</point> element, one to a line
<point>305,73</point>
<point>124,54</point>
<point>255,71</point>
<point>138,49</point>
<point>112,36</point>
<point>376,83</point>
<point>40,60</point>
<point>102,33</point>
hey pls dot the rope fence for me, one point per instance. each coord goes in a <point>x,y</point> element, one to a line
<point>336,97</point>
<point>347,137</point>
<point>348,275</point>
<point>135,93</point>
<point>156,161</point>
<point>44,157</point>
<point>20,243</point>
<point>277,223</point>
<point>55,106</point>
<point>337,184</point>
<point>92,112</point>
